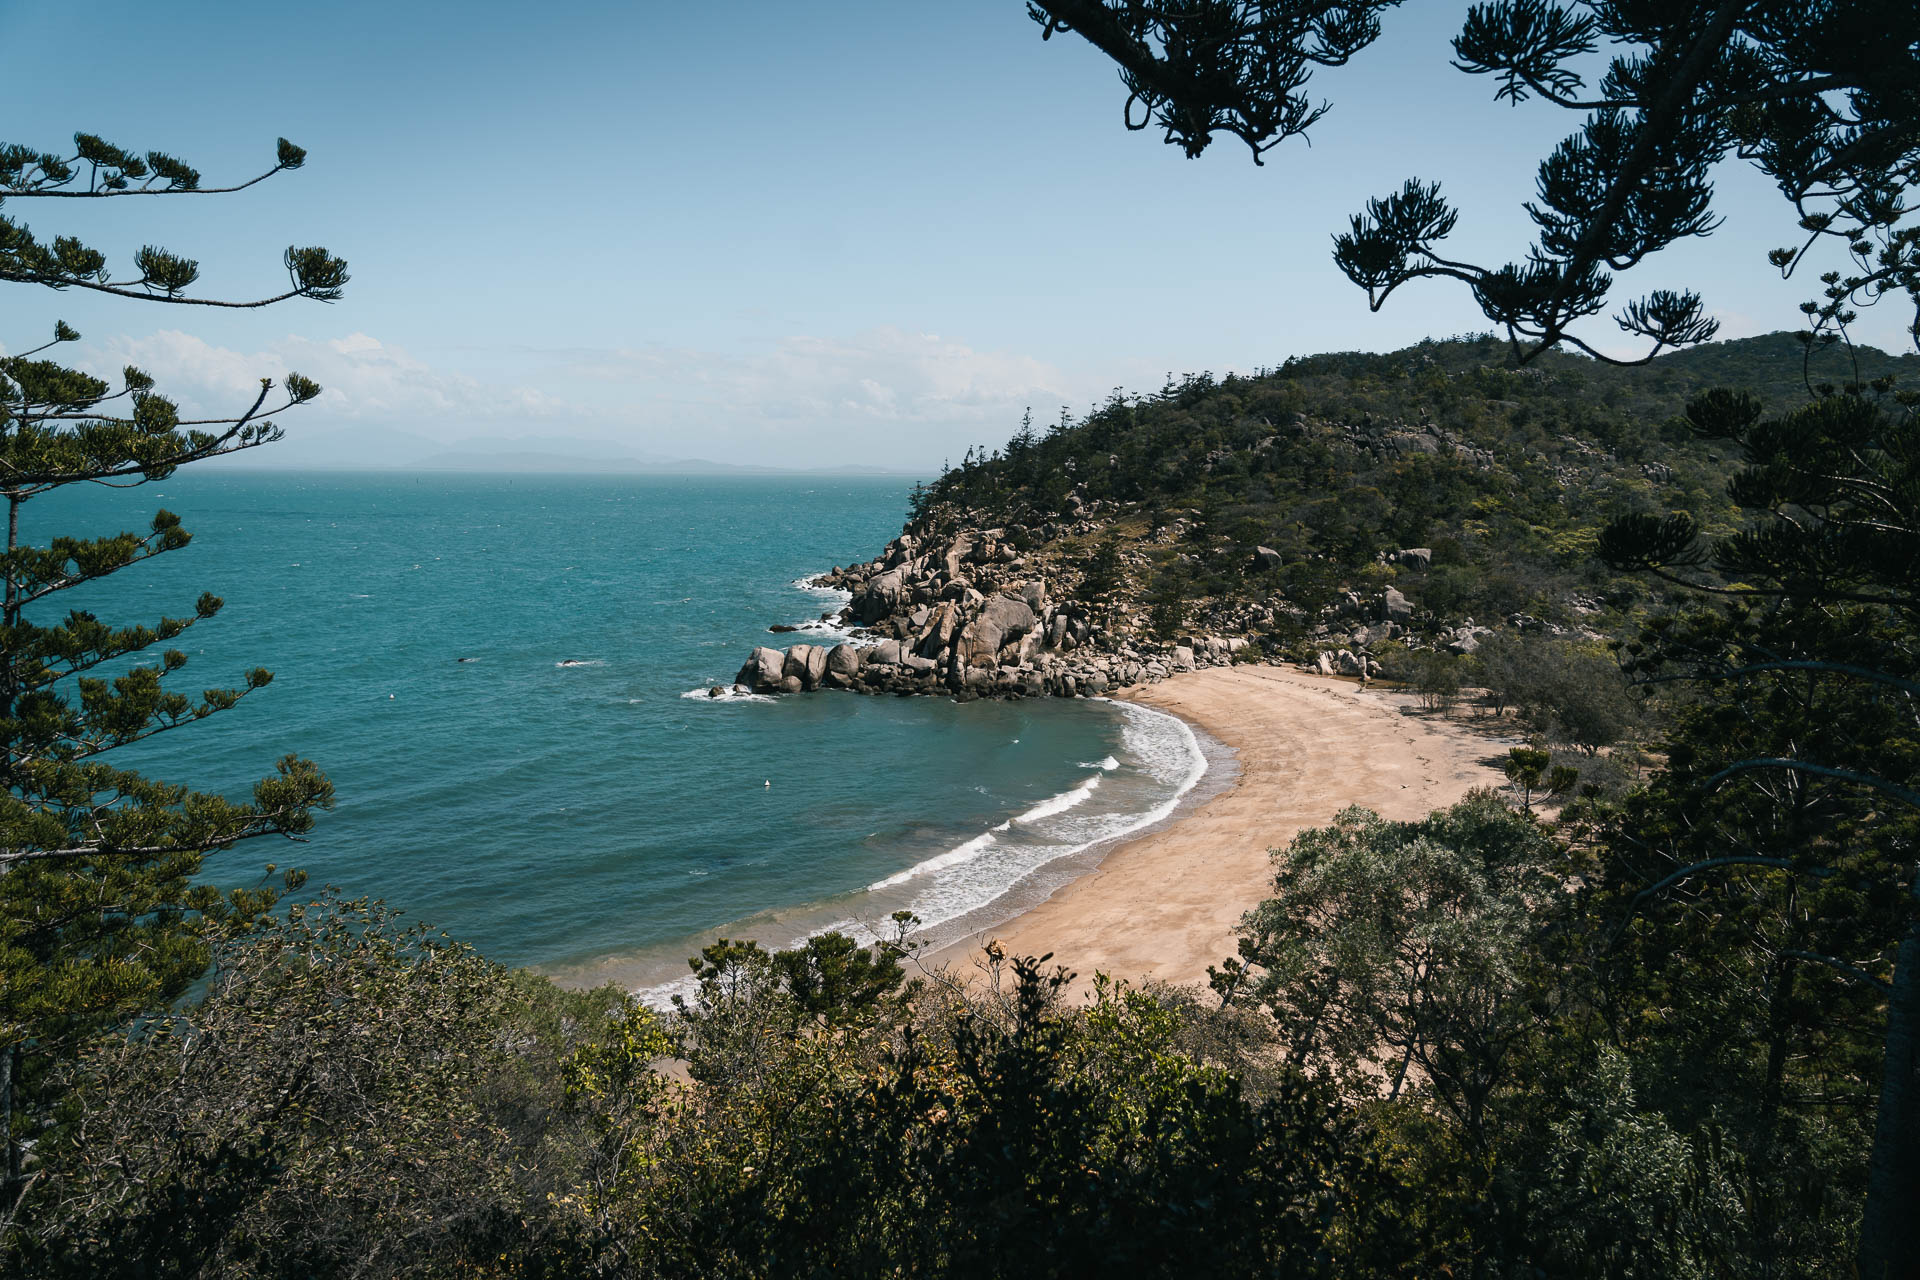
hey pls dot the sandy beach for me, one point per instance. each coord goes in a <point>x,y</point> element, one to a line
<point>1165,906</point>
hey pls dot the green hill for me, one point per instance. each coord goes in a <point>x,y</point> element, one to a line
<point>1332,463</point>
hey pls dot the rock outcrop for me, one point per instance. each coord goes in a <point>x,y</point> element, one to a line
<point>988,613</point>
<point>965,616</point>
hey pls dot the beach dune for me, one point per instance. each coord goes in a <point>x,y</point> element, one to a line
<point>1165,906</point>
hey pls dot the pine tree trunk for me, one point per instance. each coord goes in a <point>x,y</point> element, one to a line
<point>1890,1236</point>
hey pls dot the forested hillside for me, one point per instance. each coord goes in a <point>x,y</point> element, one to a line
<point>1503,475</point>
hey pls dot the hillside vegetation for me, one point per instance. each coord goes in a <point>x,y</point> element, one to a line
<point>1360,514</point>
<point>1504,476</point>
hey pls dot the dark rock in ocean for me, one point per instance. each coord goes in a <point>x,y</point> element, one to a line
<point>781,628</point>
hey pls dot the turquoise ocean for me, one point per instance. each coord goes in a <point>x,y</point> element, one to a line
<point>569,797</point>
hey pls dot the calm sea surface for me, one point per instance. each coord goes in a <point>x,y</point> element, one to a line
<point>558,800</point>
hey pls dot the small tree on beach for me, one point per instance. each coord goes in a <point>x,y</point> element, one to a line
<point>98,915</point>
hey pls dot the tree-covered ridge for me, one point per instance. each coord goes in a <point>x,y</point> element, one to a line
<point>1506,474</point>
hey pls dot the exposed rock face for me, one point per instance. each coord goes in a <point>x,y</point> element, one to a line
<point>937,635</point>
<point>1397,608</point>
<point>1265,558</point>
<point>1001,620</point>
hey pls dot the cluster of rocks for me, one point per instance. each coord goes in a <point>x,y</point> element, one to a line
<point>964,615</point>
<point>1395,439</point>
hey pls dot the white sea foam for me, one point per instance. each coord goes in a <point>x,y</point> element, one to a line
<point>727,694</point>
<point>951,858</point>
<point>660,996</point>
<point>1159,745</point>
<point>1107,763</point>
<point>823,627</point>
<point>833,595</point>
<point>1062,802</point>
<point>580,662</point>
<point>812,583</point>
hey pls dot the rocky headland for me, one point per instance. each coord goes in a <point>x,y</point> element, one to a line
<point>970,614</point>
<point>1351,514</point>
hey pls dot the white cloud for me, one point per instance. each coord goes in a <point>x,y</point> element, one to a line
<point>362,378</point>
<point>883,396</point>
<point>883,374</point>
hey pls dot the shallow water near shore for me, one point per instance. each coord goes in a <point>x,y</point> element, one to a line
<point>494,671</point>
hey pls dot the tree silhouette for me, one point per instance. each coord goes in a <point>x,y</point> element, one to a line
<point>98,918</point>
<point>1822,98</point>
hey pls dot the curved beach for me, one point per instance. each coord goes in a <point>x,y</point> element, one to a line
<point>1164,906</point>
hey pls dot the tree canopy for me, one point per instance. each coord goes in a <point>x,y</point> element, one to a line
<point>1823,98</point>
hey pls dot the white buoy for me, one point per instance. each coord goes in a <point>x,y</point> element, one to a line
<point>768,783</point>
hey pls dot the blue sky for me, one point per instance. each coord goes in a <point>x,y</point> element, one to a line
<point>754,232</point>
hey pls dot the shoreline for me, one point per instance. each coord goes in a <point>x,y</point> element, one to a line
<point>1180,765</point>
<point>1164,904</point>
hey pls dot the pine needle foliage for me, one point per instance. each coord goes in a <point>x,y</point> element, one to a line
<point>99,915</point>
